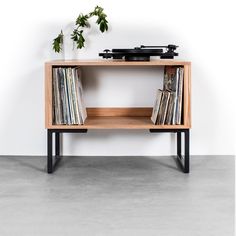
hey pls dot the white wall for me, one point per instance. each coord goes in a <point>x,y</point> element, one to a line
<point>204,30</point>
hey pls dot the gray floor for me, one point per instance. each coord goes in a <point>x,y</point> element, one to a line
<point>106,196</point>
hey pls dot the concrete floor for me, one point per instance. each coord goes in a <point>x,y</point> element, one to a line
<point>106,196</point>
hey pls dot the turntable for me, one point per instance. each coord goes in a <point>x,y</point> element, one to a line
<point>142,53</point>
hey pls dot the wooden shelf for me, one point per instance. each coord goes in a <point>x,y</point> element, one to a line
<point>163,62</point>
<point>112,122</point>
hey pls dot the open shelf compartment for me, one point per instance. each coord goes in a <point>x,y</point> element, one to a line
<point>118,118</point>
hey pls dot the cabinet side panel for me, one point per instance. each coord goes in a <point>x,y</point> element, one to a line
<point>190,86</point>
<point>48,96</point>
<point>187,96</point>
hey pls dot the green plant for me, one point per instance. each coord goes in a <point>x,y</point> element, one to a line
<point>82,22</point>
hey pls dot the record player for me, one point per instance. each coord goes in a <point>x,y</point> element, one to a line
<point>142,53</point>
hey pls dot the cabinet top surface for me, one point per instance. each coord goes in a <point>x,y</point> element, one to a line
<point>160,62</point>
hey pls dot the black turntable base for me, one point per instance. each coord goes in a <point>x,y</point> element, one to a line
<point>142,53</point>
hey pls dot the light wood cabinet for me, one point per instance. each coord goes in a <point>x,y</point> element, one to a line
<point>118,118</point>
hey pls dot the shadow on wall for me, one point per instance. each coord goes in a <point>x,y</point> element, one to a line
<point>204,104</point>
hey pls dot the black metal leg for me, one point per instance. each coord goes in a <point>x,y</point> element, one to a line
<point>57,150</point>
<point>49,152</point>
<point>179,143</point>
<point>57,144</point>
<point>52,161</point>
<point>183,161</point>
<point>186,151</point>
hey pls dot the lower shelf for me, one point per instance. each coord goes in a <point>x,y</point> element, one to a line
<point>125,122</point>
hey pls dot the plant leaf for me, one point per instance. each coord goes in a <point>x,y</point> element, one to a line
<point>77,37</point>
<point>82,20</point>
<point>80,41</point>
<point>57,42</point>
